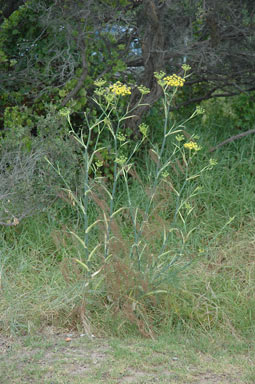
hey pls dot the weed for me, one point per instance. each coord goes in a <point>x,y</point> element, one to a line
<point>43,284</point>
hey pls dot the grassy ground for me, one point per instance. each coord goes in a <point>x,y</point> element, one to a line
<point>174,358</point>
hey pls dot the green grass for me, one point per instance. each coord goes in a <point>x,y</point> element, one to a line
<point>175,357</point>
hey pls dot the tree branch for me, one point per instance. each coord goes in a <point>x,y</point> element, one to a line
<point>79,85</point>
<point>231,139</point>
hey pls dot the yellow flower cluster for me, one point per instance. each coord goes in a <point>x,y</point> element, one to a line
<point>174,81</point>
<point>120,89</point>
<point>192,146</point>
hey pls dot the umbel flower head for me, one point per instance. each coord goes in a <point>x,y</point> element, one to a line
<point>65,112</point>
<point>192,145</point>
<point>144,90</point>
<point>100,83</point>
<point>120,89</point>
<point>174,81</point>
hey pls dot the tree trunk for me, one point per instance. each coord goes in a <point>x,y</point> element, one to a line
<point>150,21</point>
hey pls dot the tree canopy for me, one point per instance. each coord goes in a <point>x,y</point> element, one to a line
<point>52,51</point>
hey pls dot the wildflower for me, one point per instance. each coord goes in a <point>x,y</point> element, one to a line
<point>186,67</point>
<point>100,91</point>
<point>144,90</point>
<point>143,129</point>
<point>165,174</point>
<point>200,110</point>
<point>99,83</point>
<point>121,137</point>
<point>187,206</point>
<point>179,137</point>
<point>174,81</point>
<point>212,162</point>
<point>99,163</point>
<point>65,112</point>
<point>121,160</point>
<point>109,97</point>
<point>120,89</point>
<point>192,145</point>
<point>159,75</point>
